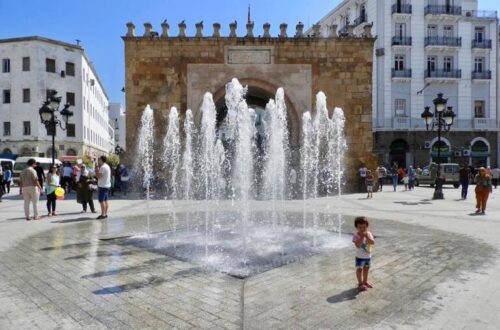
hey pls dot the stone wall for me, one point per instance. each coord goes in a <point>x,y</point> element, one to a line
<point>176,71</point>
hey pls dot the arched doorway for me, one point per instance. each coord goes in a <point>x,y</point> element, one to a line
<point>7,151</point>
<point>397,152</point>
<point>26,151</point>
<point>480,153</point>
<point>49,153</point>
<point>71,152</point>
<point>441,149</point>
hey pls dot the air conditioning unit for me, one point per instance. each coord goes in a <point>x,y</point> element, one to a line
<point>466,153</point>
<point>380,52</point>
<point>63,74</point>
<point>427,144</point>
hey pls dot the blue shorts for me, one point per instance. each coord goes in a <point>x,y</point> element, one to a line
<point>103,194</point>
<point>363,262</point>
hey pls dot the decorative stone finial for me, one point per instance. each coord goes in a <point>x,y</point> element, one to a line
<point>367,30</point>
<point>266,27</point>
<point>332,33</point>
<point>232,27</point>
<point>164,27</point>
<point>317,30</point>
<point>199,29</point>
<point>250,30</point>
<point>130,29</point>
<point>216,33</point>
<point>283,27</point>
<point>182,29</point>
<point>299,30</point>
<point>147,30</point>
<point>350,30</point>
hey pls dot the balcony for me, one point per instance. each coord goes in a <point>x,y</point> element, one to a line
<point>482,123</point>
<point>481,14</point>
<point>401,122</point>
<point>481,75</point>
<point>405,73</point>
<point>448,74</point>
<point>443,10</point>
<point>401,41</point>
<point>484,44</point>
<point>361,19</point>
<point>401,9</point>
<point>443,41</point>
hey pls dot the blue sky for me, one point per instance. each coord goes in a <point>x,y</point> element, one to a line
<point>100,23</point>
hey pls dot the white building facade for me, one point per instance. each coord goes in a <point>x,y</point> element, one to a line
<point>423,48</point>
<point>117,119</point>
<point>32,67</point>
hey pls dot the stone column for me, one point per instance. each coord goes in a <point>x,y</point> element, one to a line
<point>164,27</point>
<point>182,29</point>
<point>266,27</point>
<point>147,30</point>
<point>199,30</point>
<point>299,30</point>
<point>216,33</point>
<point>283,27</point>
<point>130,29</point>
<point>333,31</point>
<point>232,29</point>
<point>250,30</point>
<point>317,30</point>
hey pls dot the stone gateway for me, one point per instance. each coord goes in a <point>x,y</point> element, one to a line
<point>166,71</point>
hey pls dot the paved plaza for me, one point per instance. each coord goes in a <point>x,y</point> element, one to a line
<point>435,267</point>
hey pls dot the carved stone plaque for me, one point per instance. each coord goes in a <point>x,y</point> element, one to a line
<point>248,56</point>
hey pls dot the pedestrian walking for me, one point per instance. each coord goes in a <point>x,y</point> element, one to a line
<point>406,181</point>
<point>67,173</point>
<point>53,182</point>
<point>394,176</point>
<point>361,177</point>
<point>495,176</point>
<point>40,174</point>
<point>30,188</point>
<point>7,179</point>
<point>86,188</point>
<point>124,178</point>
<point>483,190</point>
<point>104,185</point>
<point>369,181</point>
<point>412,175</point>
<point>464,175</point>
<point>382,174</point>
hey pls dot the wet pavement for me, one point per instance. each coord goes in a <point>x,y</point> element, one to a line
<point>433,268</point>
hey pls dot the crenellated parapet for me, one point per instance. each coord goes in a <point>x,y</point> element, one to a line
<point>233,31</point>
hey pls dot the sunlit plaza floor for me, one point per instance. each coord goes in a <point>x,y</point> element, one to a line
<point>435,267</point>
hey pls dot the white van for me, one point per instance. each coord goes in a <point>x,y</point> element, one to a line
<point>7,162</point>
<point>20,165</point>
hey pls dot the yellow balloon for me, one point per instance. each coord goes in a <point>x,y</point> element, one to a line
<point>59,192</point>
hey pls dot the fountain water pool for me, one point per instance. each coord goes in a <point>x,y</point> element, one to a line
<point>208,166</point>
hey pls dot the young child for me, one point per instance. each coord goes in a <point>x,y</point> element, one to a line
<point>406,180</point>
<point>364,241</point>
<point>369,181</point>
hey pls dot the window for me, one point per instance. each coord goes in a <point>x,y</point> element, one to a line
<point>6,128</point>
<point>399,62</point>
<point>400,106</point>
<point>50,65</point>
<point>479,109</point>
<point>448,31</point>
<point>70,130</point>
<point>70,98</point>
<point>6,65</point>
<point>26,128</point>
<point>479,33</point>
<point>49,93</point>
<point>400,30</point>
<point>70,69</point>
<point>431,63</point>
<point>6,96</point>
<point>26,95</point>
<point>479,64</point>
<point>26,63</point>
<point>447,63</point>
<point>432,30</point>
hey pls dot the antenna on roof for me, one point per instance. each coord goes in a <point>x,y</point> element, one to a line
<point>78,42</point>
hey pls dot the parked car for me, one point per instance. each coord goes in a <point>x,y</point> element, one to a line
<point>449,172</point>
<point>21,165</point>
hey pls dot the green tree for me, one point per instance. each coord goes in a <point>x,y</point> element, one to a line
<point>113,160</point>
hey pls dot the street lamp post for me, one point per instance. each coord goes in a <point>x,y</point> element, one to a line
<point>441,119</point>
<point>48,117</point>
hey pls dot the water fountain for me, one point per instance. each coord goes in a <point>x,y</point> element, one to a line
<point>232,231</point>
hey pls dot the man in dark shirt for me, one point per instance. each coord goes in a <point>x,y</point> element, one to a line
<point>464,176</point>
<point>40,175</point>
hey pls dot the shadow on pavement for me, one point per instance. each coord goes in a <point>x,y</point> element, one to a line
<point>73,220</point>
<point>347,295</point>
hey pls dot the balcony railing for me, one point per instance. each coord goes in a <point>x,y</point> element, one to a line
<point>443,10</point>
<point>401,9</point>
<point>359,20</point>
<point>481,75</point>
<point>401,41</point>
<point>486,14</point>
<point>485,43</point>
<point>401,122</point>
<point>443,74</point>
<point>405,73</point>
<point>443,41</point>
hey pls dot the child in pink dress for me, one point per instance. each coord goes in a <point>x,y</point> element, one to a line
<point>363,240</point>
